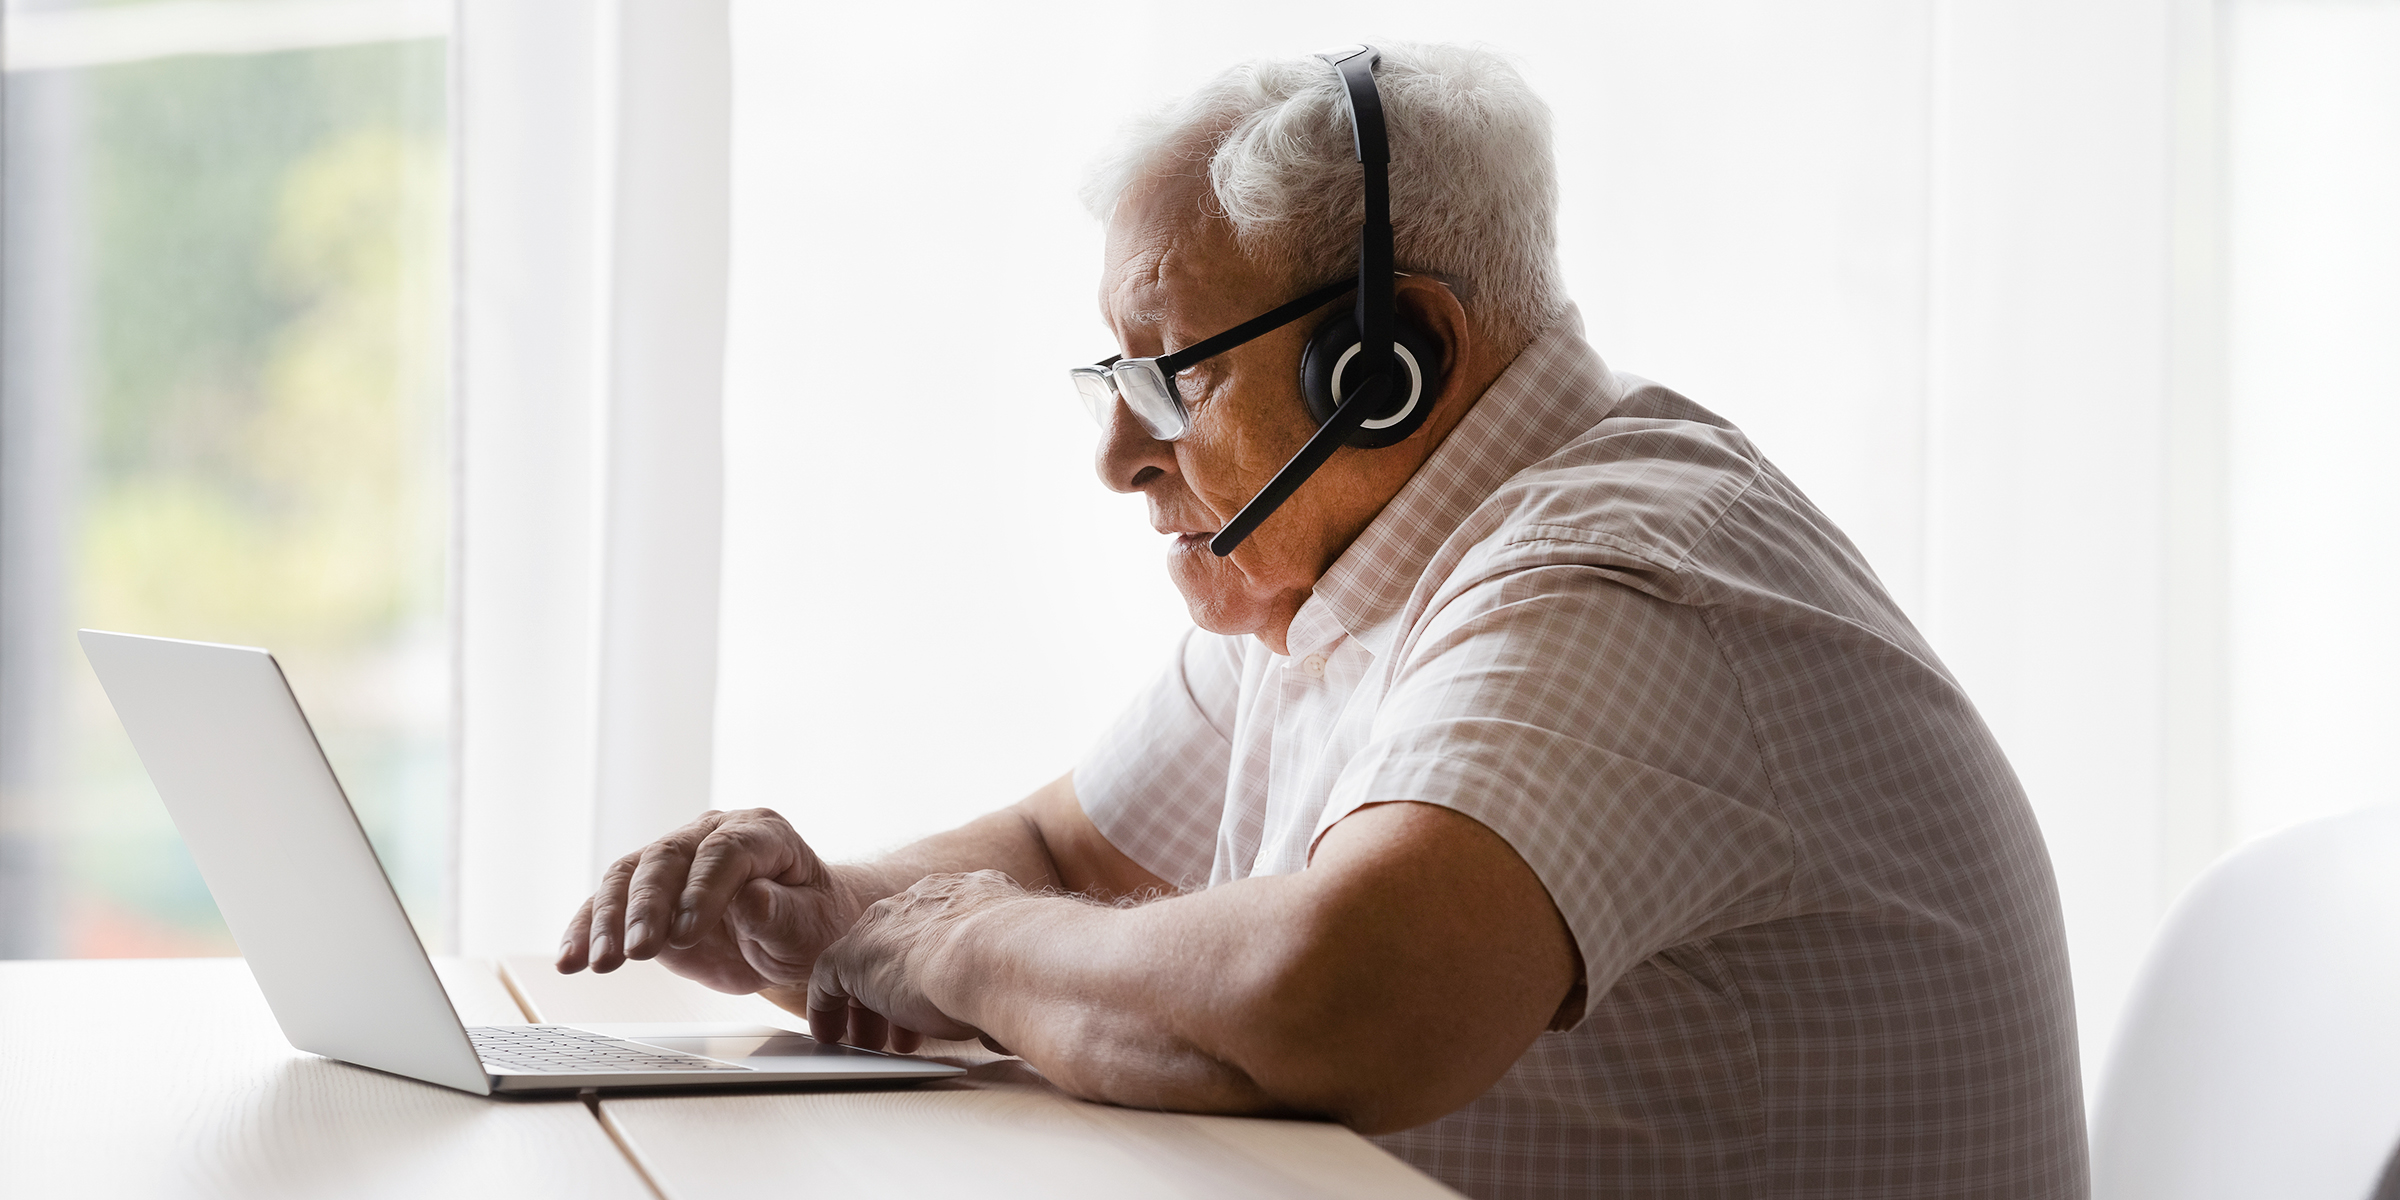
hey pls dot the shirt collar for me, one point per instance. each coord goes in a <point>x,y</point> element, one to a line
<point>1556,389</point>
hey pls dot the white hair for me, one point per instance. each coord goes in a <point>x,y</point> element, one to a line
<point>1474,190</point>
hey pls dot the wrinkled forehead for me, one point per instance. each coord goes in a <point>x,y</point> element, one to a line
<point>1172,265</point>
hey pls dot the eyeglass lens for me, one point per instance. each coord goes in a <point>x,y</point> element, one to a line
<point>1151,397</point>
<point>1097,393</point>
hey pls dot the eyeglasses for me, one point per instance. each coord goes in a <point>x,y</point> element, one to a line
<point>1147,385</point>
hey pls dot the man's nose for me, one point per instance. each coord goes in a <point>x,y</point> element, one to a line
<point>1128,457</point>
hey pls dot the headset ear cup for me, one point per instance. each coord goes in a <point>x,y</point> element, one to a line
<point>1331,347</point>
<point>1325,346</point>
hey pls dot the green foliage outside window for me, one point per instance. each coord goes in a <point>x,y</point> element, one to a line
<point>264,417</point>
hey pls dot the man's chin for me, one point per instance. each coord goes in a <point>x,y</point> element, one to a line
<point>1219,596</point>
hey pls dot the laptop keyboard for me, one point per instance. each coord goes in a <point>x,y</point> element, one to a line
<point>562,1049</point>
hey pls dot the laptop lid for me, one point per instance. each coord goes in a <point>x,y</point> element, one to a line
<point>283,853</point>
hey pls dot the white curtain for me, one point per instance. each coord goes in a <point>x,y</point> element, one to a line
<point>2313,143</point>
<point>592,228</point>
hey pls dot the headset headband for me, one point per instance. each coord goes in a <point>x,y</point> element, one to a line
<point>1376,293</point>
<point>1357,67</point>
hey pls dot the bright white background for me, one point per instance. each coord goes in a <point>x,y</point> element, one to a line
<point>2315,372</point>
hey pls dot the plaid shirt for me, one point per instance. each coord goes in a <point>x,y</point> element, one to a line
<point>1820,931</point>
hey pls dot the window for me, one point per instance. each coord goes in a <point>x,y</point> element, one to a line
<point>226,371</point>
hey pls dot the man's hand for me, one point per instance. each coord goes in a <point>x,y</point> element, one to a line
<point>735,900</point>
<point>898,958</point>
<point>739,902</point>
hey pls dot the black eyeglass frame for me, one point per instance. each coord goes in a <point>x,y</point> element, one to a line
<point>1159,373</point>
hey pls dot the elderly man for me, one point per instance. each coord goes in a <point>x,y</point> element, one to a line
<point>1552,792</point>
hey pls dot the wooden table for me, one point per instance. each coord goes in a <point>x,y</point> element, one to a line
<point>169,1078</point>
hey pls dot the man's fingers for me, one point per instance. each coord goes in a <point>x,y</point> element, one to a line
<point>868,1029</point>
<point>833,1015</point>
<point>657,882</point>
<point>906,1041</point>
<point>830,1025</point>
<point>574,949</point>
<point>740,848</point>
<point>608,915</point>
<point>828,1007</point>
<point>772,931</point>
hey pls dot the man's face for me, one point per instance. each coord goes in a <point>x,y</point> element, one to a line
<point>1172,278</point>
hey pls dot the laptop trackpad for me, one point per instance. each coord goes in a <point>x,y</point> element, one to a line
<point>783,1052</point>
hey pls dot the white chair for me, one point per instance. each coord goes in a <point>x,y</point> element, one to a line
<point>2259,1058</point>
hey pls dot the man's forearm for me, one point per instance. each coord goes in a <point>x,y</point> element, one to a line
<point>1236,1000</point>
<point>1044,842</point>
<point>1179,1005</point>
<point>1002,841</point>
<point>1393,980</point>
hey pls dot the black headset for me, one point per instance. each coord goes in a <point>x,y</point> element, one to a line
<point>1368,375</point>
<point>1336,351</point>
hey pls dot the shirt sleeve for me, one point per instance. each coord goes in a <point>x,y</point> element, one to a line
<point>1154,784</point>
<point>1598,731</point>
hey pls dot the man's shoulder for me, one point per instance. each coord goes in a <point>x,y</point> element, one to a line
<point>1642,488</point>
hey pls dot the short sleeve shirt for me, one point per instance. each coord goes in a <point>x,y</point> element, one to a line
<point>1821,940</point>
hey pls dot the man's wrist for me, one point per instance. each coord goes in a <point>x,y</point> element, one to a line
<point>854,888</point>
<point>857,886</point>
<point>975,965</point>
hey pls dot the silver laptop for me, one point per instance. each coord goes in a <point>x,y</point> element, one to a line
<point>301,889</point>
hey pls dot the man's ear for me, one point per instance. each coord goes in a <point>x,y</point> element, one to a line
<point>1433,309</point>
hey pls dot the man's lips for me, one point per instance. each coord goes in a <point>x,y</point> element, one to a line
<point>1187,541</point>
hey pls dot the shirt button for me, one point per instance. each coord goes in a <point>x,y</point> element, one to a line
<point>1313,666</point>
